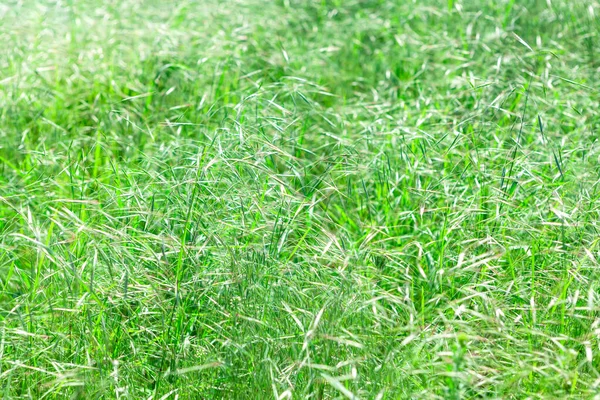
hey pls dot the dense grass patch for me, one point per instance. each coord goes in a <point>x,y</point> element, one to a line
<point>299,199</point>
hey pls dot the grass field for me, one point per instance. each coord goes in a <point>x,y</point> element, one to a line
<point>330,199</point>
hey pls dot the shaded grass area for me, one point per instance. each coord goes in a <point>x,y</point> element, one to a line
<point>297,199</point>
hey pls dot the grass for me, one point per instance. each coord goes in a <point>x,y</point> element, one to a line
<point>299,199</point>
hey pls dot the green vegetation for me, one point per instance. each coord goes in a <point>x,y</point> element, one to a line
<point>299,199</point>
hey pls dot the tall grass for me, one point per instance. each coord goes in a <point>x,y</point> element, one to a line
<point>299,199</point>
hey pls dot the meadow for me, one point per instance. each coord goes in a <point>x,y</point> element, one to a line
<point>299,199</point>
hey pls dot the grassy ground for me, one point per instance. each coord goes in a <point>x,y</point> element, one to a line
<point>299,199</point>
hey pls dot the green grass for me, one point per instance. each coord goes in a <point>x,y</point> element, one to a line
<point>299,199</point>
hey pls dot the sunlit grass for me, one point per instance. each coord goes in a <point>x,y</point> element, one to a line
<point>299,199</point>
